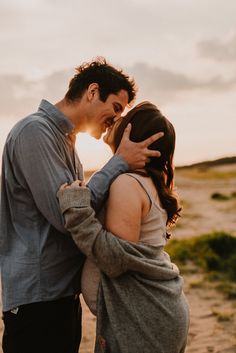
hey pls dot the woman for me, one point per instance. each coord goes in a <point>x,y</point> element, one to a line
<point>140,303</point>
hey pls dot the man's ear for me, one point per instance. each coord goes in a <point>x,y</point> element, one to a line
<point>93,91</point>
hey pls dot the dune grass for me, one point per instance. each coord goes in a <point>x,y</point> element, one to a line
<point>214,254</point>
<point>207,174</point>
<point>223,197</point>
<point>219,196</point>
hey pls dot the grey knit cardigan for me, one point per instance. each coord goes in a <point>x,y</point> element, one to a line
<point>141,307</point>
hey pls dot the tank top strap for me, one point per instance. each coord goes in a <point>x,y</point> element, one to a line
<point>153,200</point>
<point>136,177</point>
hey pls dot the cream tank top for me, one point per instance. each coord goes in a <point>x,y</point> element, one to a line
<point>152,232</point>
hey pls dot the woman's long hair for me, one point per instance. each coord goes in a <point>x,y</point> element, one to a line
<point>146,120</point>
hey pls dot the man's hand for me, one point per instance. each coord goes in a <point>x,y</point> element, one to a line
<point>137,154</point>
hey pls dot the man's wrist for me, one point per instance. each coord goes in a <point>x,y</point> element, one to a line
<point>119,163</point>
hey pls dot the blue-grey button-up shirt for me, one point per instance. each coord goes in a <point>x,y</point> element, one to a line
<point>39,260</point>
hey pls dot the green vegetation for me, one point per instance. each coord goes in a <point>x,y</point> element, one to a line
<point>214,163</point>
<point>222,197</point>
<point>228,289</point>
<point>207,173</point>
<point>219,196</point>
<point>211,252</point>
<point>223,168</point>
<point>214,254</point>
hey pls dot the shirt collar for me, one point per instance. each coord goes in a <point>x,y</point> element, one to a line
<point>57,117</point>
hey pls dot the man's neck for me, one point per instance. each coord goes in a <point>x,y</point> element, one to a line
<point>72,112</point>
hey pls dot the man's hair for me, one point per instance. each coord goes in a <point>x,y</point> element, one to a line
<point>109,80</point>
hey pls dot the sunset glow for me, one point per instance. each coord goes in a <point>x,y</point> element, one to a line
<point>182,55</point>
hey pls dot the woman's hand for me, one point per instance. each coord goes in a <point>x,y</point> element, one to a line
<point>77,184</point>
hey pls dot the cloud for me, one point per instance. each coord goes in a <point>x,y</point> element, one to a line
<point>218,50</point>
<point>20,96</point>
<point>16,93</point>
<point>165,84</point>
<point>45,35</point>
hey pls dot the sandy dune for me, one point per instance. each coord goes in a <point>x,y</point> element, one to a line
<point>201,214</point>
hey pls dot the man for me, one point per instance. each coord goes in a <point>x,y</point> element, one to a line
<point>40,263</point>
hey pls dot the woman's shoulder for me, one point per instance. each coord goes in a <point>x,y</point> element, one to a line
<point>125,181</point>
<point>130,186</point>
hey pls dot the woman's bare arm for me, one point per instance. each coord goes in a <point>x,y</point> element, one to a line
<point>127,204</point>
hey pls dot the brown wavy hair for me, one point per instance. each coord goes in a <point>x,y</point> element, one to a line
<point>146,120</point>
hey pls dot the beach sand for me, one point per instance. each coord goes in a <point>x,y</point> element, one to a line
<point>213,318</point>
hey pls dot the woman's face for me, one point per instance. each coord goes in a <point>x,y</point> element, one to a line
<point>109,137</point>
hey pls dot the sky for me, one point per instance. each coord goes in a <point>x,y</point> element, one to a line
<point>182,54</point>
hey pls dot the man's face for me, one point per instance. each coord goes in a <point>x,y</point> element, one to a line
<point>109,137</point>
<point>102,115</point>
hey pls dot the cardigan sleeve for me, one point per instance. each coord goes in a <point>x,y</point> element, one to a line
<point>95,242</point>
<point>112,255</point>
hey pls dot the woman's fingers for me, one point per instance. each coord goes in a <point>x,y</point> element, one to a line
<point>63,186</point>
<point>75,184</point>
